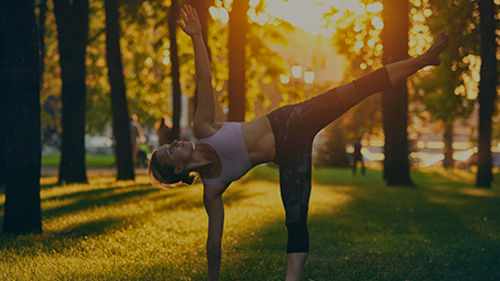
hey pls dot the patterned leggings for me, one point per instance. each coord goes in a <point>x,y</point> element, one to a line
<point>294,128</point>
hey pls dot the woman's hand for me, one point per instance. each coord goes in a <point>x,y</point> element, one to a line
<point>191,24</point>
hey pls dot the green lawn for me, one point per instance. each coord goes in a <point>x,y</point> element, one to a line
<point>359,230</point>
<point>52,160</point>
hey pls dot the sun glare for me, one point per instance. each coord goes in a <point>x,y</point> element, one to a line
<point>309,15</point>
<point>305,14</point>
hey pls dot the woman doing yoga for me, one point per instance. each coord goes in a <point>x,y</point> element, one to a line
<point>224,152</point>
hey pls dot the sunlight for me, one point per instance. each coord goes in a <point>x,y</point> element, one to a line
<point>296,71</point>
<point>309,77</point>
<point>470,78</point>
<point>378,23</point>
<point>305,14</point>
<point>420,38</point>
<point>374,8</point>
<point>428,159</point>
<point>284,78</point>
<point>463,155</point>
<point>219,13</point>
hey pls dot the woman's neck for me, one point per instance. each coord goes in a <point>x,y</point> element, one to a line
<point>206,161</point>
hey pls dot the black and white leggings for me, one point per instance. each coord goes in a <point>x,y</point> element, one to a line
<point>294,127</point>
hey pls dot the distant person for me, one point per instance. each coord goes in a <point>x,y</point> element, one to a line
<point>136,135</point>
<point>164,131</point>
<point>144,150</point>
<point>358,156</point>
<point>225,151</point>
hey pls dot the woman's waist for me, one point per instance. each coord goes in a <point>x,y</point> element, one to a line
<point>259,140</point>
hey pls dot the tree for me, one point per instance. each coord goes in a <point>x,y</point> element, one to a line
<point>72,31</point>
<point>443,91</point>
<point>19,81</point>
<point>357,38</point>
<point>487,90</point>
<point>121,127</point>
<point>395,101</point>
<point>42,8</point>
<point>238,29</point>
<point>174,58</point>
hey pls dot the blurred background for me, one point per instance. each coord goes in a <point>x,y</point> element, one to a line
<point>113,70</point>
<point>293,50</point>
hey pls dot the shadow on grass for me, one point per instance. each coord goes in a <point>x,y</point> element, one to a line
<point>383,234</point>
<point>94,226</point>
<point>434,232</point>
<point>180,204</point>
<point>96,198</point>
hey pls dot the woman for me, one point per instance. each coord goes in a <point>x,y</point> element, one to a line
<point>163,131</point>
<point>226,151</point>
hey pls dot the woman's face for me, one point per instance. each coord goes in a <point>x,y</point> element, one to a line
<point>178,153</point>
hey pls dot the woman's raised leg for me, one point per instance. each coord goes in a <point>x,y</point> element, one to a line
<point>323,109</point>
<point>391,74</point>
<point>351,93</point>
<point>398,71</point>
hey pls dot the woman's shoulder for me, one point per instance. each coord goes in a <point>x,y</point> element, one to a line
<point>202,131</point>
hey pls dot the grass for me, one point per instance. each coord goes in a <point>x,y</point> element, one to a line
<point>445,229</point>
<point>97,160</point>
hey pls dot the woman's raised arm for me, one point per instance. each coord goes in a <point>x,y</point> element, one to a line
<point>204,116</point>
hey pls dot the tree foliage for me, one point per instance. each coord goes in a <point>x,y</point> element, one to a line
<point>447,92</point>
<point>145,48</point>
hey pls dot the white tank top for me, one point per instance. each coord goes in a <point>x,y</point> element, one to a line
<point>229,144</point>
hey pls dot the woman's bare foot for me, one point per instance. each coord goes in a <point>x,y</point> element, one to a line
<point>439,46</point>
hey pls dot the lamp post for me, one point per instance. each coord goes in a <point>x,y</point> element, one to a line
<point>309,77</point>
<point>296,71</point>
<point>284,78</point>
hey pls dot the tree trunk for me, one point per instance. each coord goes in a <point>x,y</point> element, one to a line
<point>448,145</point>
<point>41,35</point>
<point>334,154</point>
<point>72,33</point>
<point>3,133</point>
<point>121,127</point>
<point>238,29</point>
<point>487,91</point>
<point>19,81</point>
<point>174,58</point>
<point>395,101</point>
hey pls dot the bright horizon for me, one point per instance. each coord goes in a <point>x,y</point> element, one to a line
<point>309,14</point>
<point>304,14</point>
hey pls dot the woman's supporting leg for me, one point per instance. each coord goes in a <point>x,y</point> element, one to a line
<point>293,154</point>
<point>295,183</point>
<point>295,266</point>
